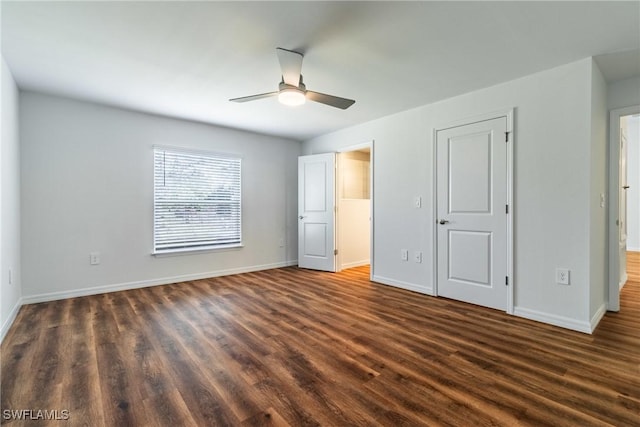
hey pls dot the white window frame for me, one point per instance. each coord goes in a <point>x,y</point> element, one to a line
<point>187,248</point>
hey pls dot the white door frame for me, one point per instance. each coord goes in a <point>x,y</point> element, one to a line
<point>356,147</point>
<point>508,113</point>
<point>614,210</point>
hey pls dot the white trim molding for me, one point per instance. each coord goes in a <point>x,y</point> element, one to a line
<point>403,285</point>
<point>597,317</point>
<point>554,319</point>
<point>12,317</point>
<point>95,290</point>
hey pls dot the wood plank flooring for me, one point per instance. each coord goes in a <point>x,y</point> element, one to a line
<point>296,347</point>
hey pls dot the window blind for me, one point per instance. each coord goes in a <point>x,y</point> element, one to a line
<point>197,200</point>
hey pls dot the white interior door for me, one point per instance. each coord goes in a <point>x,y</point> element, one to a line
<point>622,199</point>
<point>472,213</point>
<point>316,212</point>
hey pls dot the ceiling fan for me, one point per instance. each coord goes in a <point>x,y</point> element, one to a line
<point>292,91</point>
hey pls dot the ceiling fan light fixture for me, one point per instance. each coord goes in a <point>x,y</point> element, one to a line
<point>291,97</point>
<point>291,90</point>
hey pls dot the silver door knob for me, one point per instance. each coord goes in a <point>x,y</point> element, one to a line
<point>443,222</point>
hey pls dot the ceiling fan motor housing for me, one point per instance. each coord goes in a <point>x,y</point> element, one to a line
<point>301,87</point>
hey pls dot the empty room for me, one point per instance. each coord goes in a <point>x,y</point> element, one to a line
<point>338,213</point>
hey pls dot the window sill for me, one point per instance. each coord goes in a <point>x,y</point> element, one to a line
<point>193,251</point>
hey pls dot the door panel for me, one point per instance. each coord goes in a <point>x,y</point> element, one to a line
<point>315,237</point>
<point>471,210</point>
<point>316,200</point>
<point>470,257</point>
<point>470,192</point>
<point>315,181</point>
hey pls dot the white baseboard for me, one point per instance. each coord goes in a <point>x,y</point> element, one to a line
<point>633,249</point>
<point>354,264</point>
<point>52,296</point>
<point>404,285</point>
<point>597,317</point>
<point>623,280</point>
<point>554,319</point>
<point>12,316</point>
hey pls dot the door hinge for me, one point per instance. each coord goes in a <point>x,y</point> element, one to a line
<point>506,280</point>
<point>506,209</point>
<point>506,136</point>
<point>335,252</point>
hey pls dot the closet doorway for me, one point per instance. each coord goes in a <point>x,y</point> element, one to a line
<point>354,214</point>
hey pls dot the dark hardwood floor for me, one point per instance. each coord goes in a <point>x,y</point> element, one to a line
<point>297,347</point>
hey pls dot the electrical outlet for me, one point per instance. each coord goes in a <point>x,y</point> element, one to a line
<point>94,258</point>
<point>281,242</point>
<point>404,254</point>
<point>562,276</point>
<point>417,201</point>
<point>417,257</point>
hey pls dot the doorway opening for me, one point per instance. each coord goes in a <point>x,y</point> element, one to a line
<point>632,213</point>
<point>624,197</point>
<point>335,209</point>
<point>354,207</point>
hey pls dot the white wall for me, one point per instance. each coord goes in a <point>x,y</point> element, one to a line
<point>10,293</point>
<point>598,244</point>
<point>552,151</point>
<point>633,180</point>
<point>87,185</point>
<point>623,93</point>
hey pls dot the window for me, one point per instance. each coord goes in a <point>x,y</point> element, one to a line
<point>196,200</point>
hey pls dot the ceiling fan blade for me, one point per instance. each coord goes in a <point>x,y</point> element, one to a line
<point>334,101</point>
<point>253,97</point>
<point>291,66</point>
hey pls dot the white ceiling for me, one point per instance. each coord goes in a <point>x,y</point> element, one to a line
<point>186,59</point>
